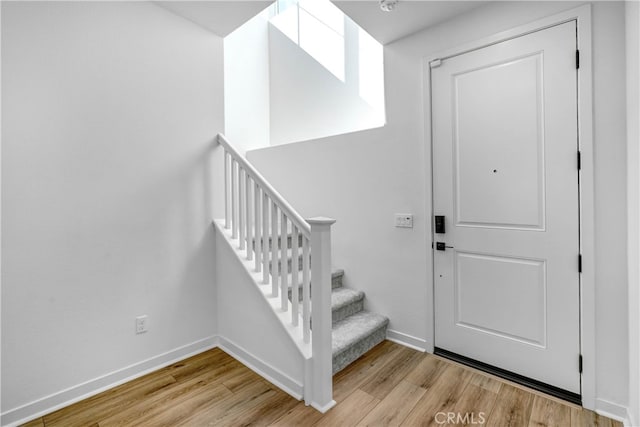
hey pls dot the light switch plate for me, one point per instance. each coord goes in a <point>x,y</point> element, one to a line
<point>404,220</point>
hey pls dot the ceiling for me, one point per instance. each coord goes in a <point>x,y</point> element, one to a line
<point>219,17</point>
<point>409,16</point>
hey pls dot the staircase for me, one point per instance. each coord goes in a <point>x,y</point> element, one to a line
<point>288,258</point>
<point>354,331</point>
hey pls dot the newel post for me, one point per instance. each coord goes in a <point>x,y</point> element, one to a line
<point>321,369</point>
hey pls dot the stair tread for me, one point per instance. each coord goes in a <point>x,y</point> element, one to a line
<point>341,297</point>
<point>354,328</point>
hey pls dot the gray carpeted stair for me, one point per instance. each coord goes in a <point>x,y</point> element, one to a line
<point>355,330</point>
<point>354,336</point>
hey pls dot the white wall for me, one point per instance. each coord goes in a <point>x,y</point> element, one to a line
<point>362,179</point>
<point>633,161</point>
<point>307,101</point>
<point>246,84</point>
<point>109,111</point>
<point>248,322</point>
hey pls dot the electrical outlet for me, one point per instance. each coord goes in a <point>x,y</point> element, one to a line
<point>141,324</point>
<point>404,220</point>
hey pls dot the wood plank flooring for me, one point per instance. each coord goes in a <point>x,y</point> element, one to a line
<point>389,386</point>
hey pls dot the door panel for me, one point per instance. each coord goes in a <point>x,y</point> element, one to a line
<point>504,121</point>
<point>519,314</point>
<point>508,166</point>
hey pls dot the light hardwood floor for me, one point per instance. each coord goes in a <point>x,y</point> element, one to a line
<point>390,385</point>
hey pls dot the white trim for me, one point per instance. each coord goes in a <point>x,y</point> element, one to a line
<point>63,398</point>
<point>587,208</point>
<point>407,340</point>
<point>429,264</point>
<point>613,411</point>
<point>325,408</point>
<point>582,15</point>
<point>268,372</point>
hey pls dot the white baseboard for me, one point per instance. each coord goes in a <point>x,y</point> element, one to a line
<point>629,421</point>
<point>325,408</point>
<point>268,372</point>
<point>613,411</point>
<point>407,340</point>
<point>92,387</point>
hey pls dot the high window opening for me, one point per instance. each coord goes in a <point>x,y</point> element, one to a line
<point>317,26</point>
<point>344,49</point>
<point>301,70</point>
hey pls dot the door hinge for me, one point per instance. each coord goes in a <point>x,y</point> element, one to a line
<point>579,160</point>
<point>577,59</point>
<point>435,63</point>
<point>580,263</point>
<point>580,363</point>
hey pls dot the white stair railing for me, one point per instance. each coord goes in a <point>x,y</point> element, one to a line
<point>258,217</point>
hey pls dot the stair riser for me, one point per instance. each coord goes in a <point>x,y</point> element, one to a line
<point>346,311</point>
<point>336,282</point>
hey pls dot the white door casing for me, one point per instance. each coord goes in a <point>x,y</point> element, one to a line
<point>504,126</point>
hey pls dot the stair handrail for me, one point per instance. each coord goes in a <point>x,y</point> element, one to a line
<point>277,198</point>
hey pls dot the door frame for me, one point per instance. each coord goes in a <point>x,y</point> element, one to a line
<point>582,16</point>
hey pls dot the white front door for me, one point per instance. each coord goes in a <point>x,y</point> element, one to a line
<point>505,174</point>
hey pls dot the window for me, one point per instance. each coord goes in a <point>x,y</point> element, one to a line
<point>337,43</point>
<point>317,26</point>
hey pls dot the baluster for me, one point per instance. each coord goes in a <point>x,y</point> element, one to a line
<point>241,200</point>
<point>257,239</point>
<point>306,315</point>
<point>227,220</point>
<point>249,216</point>
<point>284,271</point>
<point>274,249</point>
<point>265,238</point>
<point>234,218</point>
<point>294,275</point>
